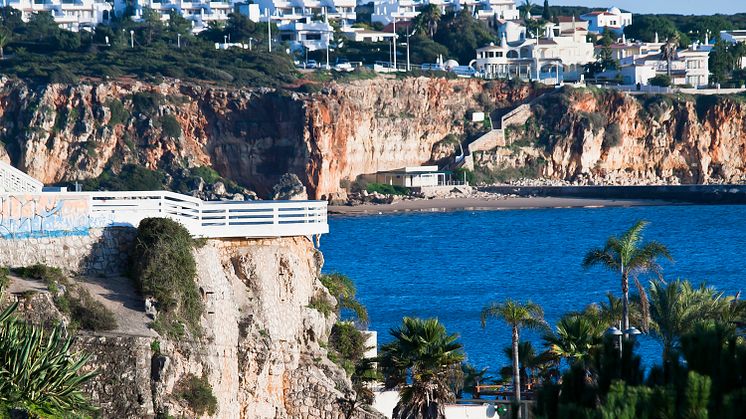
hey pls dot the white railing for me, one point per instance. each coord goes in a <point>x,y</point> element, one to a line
<point>214,219</point>
<point>14,180</point>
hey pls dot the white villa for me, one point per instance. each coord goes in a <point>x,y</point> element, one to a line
<point>284,12</point>
<point>310,35</point>
<point>612,19</point>
<point>73,15</point>
<point>385,11</point>
<point>200,12</point>
<point>641,61</point>
<point>557,57</point>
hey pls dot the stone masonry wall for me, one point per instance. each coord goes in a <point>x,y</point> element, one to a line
<point>101,252</point>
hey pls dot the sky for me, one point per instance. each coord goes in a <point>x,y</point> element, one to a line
<point>683,7</point>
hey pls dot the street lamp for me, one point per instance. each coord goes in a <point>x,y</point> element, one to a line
<point>250,39</point>
<point>132,38</point>
<point>615,333</point>
<point>408,35</point>
<point>178,40</point>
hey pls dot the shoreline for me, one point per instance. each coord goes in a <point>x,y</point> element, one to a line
<point>486,204</point>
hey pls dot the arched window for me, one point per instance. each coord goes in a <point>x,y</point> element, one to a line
<point>512,54</point>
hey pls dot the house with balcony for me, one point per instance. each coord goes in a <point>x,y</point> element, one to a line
<point>500,9</point>
<point>283,12</point>
<point>555,58</point>
<point>612,19</point>
<point>73,15</point>
<point>200,12</point>
<point>689,67</point>
<point>385,11</point>
<point>308,35</point>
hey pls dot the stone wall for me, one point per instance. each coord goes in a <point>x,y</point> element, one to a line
<point>102,252</point>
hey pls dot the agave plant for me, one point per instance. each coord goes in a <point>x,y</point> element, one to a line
<point>38,372</point>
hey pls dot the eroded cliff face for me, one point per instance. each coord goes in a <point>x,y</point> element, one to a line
<point>261,350</point>
<point>606,137</point>
<point>63,133</point>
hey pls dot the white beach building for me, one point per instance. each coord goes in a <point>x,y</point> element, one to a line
<point>410,177</point>
<point>73,15</point>
<point>613,19</point>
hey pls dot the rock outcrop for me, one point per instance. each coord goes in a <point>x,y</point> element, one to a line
<point>607,137</point>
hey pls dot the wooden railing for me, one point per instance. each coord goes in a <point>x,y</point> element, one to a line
<point>212,219</point>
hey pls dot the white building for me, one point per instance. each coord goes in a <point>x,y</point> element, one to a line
<point>72,15</point>
<point>385,11</point>
<point>283,12</point>
<point>501,9</point>
<point>558,57</point>
<point>410,177</point>
<point>613,19</point>
<point>310,35</point>
<point>690,67</point>
<point>200,12</point>
<point>366,35</point>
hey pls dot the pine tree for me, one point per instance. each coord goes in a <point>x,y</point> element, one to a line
<point>546,14</point>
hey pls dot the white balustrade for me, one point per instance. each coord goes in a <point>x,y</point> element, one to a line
<point>213,219</point>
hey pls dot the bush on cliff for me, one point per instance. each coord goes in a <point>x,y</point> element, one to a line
<point>198,395</point>
<point>347,346</point>
<point>164,268</point>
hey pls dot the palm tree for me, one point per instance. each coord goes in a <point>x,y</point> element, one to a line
<point>4,40</point>
<point>428,19</point>
<point>577,337</point>
<point>669,51</point>
<point>343,289</point>
<point>517,316</point>
<point>421,360</point>
<point>628,256</point>
<point>676,307</point>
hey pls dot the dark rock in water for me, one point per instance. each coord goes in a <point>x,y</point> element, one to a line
<point>289,188</point>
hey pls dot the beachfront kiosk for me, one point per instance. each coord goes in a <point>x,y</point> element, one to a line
<point>412,177</point>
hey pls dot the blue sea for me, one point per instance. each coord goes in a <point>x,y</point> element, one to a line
<point>450,264</point>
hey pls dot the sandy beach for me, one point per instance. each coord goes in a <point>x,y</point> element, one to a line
<point>510,203</point>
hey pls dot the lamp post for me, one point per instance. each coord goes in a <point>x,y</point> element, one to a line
<point>250,39</point>
<point>408,35</point>
<point>178,40</point>
<point>614,333</point>
<point>132,39</point>
<point>395,69</point>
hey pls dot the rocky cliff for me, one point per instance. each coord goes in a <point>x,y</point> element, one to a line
<point>63,133</point>
<point>261,349</point>
<point>594,136</point>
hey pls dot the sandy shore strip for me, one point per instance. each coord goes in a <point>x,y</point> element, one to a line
<point>510,203</point>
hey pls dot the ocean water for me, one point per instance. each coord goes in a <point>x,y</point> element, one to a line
<point>450,264</point>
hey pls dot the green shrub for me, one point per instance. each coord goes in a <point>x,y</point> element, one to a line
<point>171,127</point>
<point>321,304</point>
<point>90,314</point>
<point>130,178</point>
<point>661,80</point>
<point>119,115</point>
<point>52,277</point>
<point>198,395</point>
<point>387,189</point>
<point>146,103</point>
<point>163,267</point>
<point>348,343</point>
